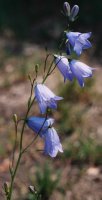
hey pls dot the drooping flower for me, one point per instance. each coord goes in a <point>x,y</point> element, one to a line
<point>63,66</point>
<point>39,124</point>
<point>80,71</point>
<point>74,12</point>
<point>52,143</point>
<point>79,41</point>
<point>46,98</point>
<point>43,127</point>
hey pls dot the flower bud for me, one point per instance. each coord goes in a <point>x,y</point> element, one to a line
<point>66,8</point>
<point>36,68</point>
<point>74,12</point>
<point>6,188</point>
<point>29,77</point>
<point>15,118</point>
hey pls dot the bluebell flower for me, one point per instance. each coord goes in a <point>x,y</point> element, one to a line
<point>63,66</point>
<point>52,143</point>
<point>80,71</point>
<point>39,124</point>
<point>46,98</point>
<point>43,127</point>
<point>79,41</point>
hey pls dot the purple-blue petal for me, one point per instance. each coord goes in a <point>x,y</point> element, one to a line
<point>43,106</point>
<point>87,45</point>
<point>36,123</point>
<point>80,80</point>
<point>52,143</point>
<point>72,37</point>
<point>63,66</point>
<point>45,98</point>
<point>79,41</point>
<point>78,48</point>
<point>86,35</point>
<point>57,98</point>
<point>52,104</point>
<point>80,71</point>
<point>68,48</point>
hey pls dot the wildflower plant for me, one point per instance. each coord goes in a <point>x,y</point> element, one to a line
<point>39,93</point>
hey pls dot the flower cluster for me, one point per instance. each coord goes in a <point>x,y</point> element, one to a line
<point>70,68</point>
<point>44,128</point>
<point>73,69</point>
<point>43,125</point>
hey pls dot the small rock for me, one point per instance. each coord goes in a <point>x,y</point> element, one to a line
<point>93,171</point>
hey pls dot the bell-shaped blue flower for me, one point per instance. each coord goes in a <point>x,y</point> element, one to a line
<point>52,143</point>
<point>79,41</point>
<point>45,98</point>
<point>63,66</point>
<point>43,127</point>
<point>39,124</point>
<point>80,71</point>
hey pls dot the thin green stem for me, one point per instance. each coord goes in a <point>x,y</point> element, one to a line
<point>21,141</point>
<point>13,177</point>
<point>15,143</point>
<point>51,70</point>
<point>29,107</point>
<point>21,151</point>
<point>62,41</point>
<point>45,63</point>
<point>55,66</point>
<point>48,72</point>
<point>30,104</point>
